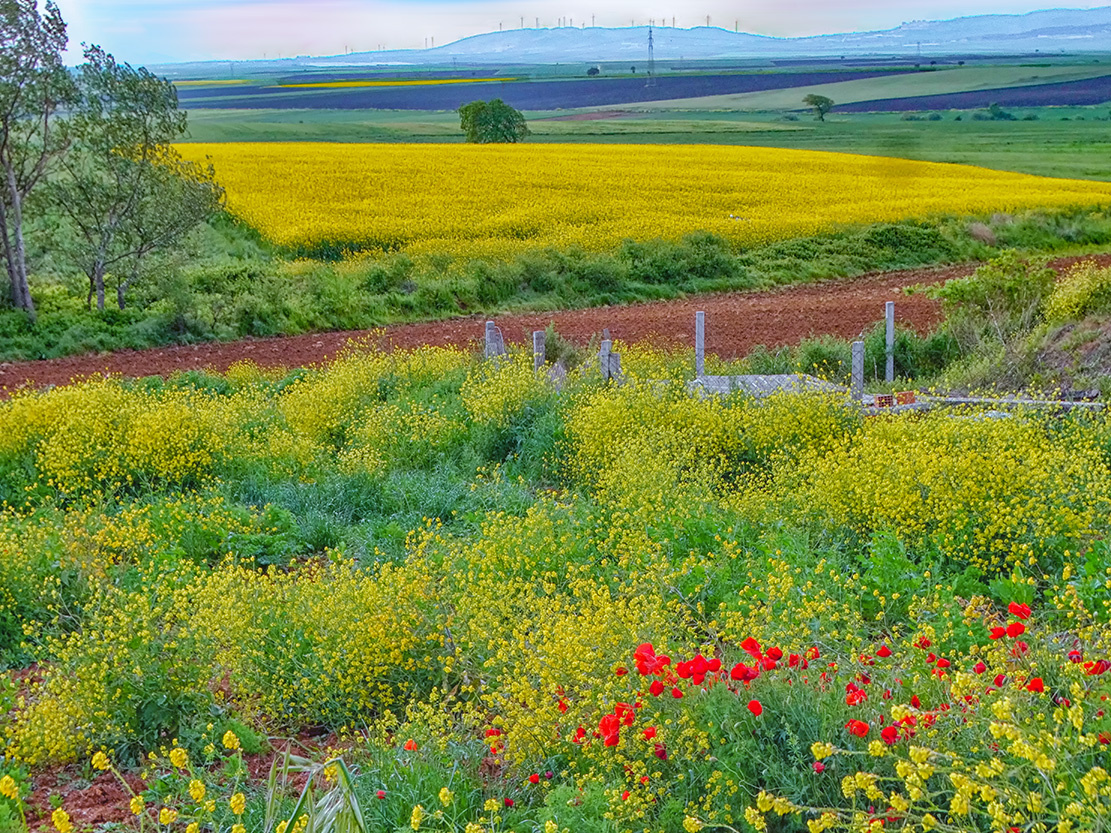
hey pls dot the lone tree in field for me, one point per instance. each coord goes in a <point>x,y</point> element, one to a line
<point>123,191</point>
<point>34,84</point>
<point>490,122</point>
<point>820,104</point>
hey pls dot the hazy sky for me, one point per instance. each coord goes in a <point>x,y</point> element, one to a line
<point>149,31</point>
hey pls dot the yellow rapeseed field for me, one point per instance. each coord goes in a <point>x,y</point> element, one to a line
<point>499,200</point>
<point>393,82</point>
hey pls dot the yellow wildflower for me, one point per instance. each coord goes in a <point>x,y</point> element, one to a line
<point>60,818</point>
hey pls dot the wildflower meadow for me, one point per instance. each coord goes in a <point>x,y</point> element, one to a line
<point>417,590</point>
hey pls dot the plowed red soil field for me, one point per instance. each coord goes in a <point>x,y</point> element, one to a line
<point>736,322</point>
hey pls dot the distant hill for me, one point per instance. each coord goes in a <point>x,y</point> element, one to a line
<point>1055,30</point>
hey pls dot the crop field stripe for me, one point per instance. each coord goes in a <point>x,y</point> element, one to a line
<point>524,95</point>
<point>500,200</point>
<point>1087,92</point>
<point>339,85</point>
<point>905,85</point>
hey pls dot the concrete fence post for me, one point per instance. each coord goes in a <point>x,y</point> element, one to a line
<point>538,354</point>
<point>604,358</point>
<point>889,375</point>
<point>495,344</point>
<point>857,385</point>
<point>700,344</point>
<point>491,339</point>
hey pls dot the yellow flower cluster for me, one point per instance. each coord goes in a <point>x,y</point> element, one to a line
<point>499,200</point>
<point>1083,289</point>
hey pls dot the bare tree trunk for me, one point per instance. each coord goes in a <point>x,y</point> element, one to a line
<point>98,282</point>
<point>17,254</point>
<point>9,263</point>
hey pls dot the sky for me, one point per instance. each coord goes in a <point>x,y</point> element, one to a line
<point>159,31</point>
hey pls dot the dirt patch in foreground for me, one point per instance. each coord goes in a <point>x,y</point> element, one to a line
<point>736,323</point>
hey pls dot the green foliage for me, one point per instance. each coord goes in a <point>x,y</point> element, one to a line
<point>821,105</point>
<point>490,122</point>
<point>1001,300</point>
<point>124,192</point>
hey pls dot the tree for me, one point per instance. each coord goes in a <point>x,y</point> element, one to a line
<point>594,71</point>
<point>34,84</point>
<point>488,122</point>
<point>123,189</point>
<point>820,104</point>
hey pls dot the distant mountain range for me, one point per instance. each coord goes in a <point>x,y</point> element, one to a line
<point>1056,30</point>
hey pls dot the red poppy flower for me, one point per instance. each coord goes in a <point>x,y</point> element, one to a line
<point>1075,656</point>
<point>609,727</point>
<point>660,752</point>
<point>812,652</point>
<point>775,653</point>
<point>714,665</point>
<point>534,778</point>
<point>793,660</point>
<point>647,662</point>
<point>508,802</point>
<point>1036,685</point>
<point>979,668</point>
<point>1019,648</point>
<point>1104,738</point>
<point>742,673</point>
<point>562,706</point>
<point>580,733</point>
<point>1016,629</point>
<point>1022,611</point>
<point>625,713</point>
<point>644,779</point>
<point>999,680</point>
<point>923,643</point>
<point>755,707</point>
<point>676,693</point>
<point>751,647</point>
<point>1098,667</point>
<point>625,795</point>
<point>819,767</point>
<point>998,633</point>
<point>410,745</point>
<point>381,794</point>
<point>650,733</point>
<point>943,663</point>
<point>493,733</point>
<point>855,698</point>
<point>884,652</point>
<point>656,689</point>
<point>914,701</point>
<point>890,735</point>
<point>621,671</point>
<point>857,727</point>
<point>769,664</point>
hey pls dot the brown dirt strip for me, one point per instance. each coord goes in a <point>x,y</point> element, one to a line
<point>736,323</point>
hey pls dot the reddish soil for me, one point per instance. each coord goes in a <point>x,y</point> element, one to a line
<point>736,322</point>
